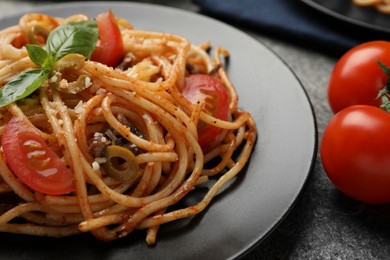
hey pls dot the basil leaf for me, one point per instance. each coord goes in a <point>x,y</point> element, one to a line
<point>22,86</point>
<point>80,38</point>
<point>39,56</point>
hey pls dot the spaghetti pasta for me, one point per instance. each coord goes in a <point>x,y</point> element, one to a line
<point>382,6</point>
<point>136,112</point>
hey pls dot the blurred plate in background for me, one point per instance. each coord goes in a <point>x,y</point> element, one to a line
<point>346,11</point>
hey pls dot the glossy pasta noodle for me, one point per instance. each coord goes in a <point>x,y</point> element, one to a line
<point>134,114</point>
<point>382,6</point>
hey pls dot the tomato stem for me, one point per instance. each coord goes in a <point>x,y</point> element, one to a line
<point>384,93</point>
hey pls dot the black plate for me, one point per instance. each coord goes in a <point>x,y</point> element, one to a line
<point>346,11</point>
<point>255,202</point>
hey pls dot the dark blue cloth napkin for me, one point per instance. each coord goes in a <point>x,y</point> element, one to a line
<point>290,19</point>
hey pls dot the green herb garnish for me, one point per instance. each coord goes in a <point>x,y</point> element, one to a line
<point>384,93</point>
<point>70,38</point>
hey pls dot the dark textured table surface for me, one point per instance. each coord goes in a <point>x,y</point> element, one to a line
<point>324,224</point>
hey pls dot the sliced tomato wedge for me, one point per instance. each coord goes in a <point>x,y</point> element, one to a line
<point>33,162</point>
<point>204,87</point>
<point>109,50</point>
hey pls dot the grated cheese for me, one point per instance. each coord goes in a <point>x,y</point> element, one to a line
<point>88,82</point>
<point>95,166</point>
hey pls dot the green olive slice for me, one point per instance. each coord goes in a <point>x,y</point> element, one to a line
<point>72,60</point>
<point>64,67</point>
<point>121,163</point>
<point>36,33</point>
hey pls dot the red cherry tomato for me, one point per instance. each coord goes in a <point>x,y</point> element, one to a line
<point>357,78</point>
<point>204,87</point>
<point>33,162</point>
<point>355,153</point>
<point>109,50</point>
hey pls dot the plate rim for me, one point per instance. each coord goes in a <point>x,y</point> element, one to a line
<point>313,163</point>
